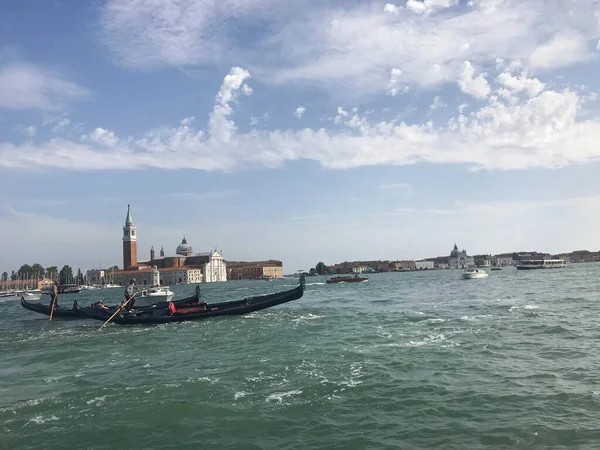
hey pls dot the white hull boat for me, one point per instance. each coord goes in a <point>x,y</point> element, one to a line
<point>470,274</point>
<point>150,296</point>
<point>16,295</point>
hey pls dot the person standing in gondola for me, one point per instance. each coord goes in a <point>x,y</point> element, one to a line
<point>54,295</point>
<point>130,291</point>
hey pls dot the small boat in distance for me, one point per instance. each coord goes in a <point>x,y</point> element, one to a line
<point>347,279</point>
<point>470,274</point>
<point>63,289</point>
<point>530,264</point>
<point>496,268</point>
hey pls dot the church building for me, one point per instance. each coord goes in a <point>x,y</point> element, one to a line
<point>460,259</point>
<point>184,267</point>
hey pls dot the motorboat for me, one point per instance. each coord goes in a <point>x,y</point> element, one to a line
<point>155,294</point>
<point>16,295</point>
<point>470,274</point>
<point>346,279</point>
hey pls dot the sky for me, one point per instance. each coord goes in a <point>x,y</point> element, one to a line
<point>320,130</point>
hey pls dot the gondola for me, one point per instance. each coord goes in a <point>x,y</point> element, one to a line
<point>201,310</point>
<point>59,311</point>
<point>78,312</point>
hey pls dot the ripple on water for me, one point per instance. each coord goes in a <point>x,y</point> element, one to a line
<point>409,360</point>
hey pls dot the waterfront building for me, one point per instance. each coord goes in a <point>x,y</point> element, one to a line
<point>252,270</point>
<point>502,261</point>
<point>424,265</point>
<point>460,259</point>
<point>184,267</point>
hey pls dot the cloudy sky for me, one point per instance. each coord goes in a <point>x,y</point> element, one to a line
<point>306,131</point>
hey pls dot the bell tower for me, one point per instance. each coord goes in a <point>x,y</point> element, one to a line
<point>129,243</point>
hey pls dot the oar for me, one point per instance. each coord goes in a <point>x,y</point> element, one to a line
<point>117,311</point>
<point>52,310</point>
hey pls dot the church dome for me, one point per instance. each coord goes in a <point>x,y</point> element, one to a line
<point>454,252</point>
<point>184,248</point>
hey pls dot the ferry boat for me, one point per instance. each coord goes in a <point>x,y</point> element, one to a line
<point>530,264</point>
<point>470,274</point>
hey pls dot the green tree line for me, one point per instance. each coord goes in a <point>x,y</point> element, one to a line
<point>37,271</point>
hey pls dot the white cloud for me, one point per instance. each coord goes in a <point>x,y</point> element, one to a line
<point>477,87</point>
<point>29,131</point>
<point>103,137</point>
<point>542,131</point>
<point>532,86</point>
<point>426,7</point>
<point>562,50</point>
<point>462,107</point>
<point>392,9</point>
<point>598,45</point>
<point>220,127</point>
<point>145,34</point>
<point>300,110</point>
<point>437,103</point>
<point>25,86</point>
<point>394,84</point>
<point>61,124</point>
<point>331,48</point>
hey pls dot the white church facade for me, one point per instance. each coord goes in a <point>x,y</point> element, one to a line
<point>460,259</point>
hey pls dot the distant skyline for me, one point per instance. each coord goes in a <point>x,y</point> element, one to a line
<point>314,131</point>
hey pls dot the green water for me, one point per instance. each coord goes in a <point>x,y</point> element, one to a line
<point>406,360</point>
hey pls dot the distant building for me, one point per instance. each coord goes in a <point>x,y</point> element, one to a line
<point>483,260</point>
<point>185,267</point>
<point>424,265</point>
<point>252,270</point>
<point>502,261</point>
<point>460,259</point>
<point>95,277</point>
<point>404,265</point>
<point>173,275</point>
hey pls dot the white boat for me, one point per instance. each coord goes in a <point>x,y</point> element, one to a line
<point>530,264</point>
<point>155,293</point>
<point>148,297</point>
<point>469,274</point>
<point>16,295</point>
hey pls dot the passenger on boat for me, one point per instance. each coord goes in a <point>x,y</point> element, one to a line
<point>129,293</point>
<point>100,305</point>
<point>54,295</point>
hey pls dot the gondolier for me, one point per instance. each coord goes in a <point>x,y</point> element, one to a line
<point>54,295</point>
<point>130,291</point>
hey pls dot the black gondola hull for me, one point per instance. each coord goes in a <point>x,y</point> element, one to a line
<point>59,311</point>
<point>235,308</point>
<point>77,312</point>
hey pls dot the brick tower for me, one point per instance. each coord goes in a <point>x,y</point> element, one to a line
<point>129,243</point>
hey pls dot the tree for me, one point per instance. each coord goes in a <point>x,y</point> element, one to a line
<point>13,275</point>
<point>37,270</point>
<point>65,275</point>
<point>52,272</point>
<point>79,277</point>
<point>113,268</point>
<point>4,276</point>
<point>321,269</point>
<point>24,272</point>
<point>312,272</point>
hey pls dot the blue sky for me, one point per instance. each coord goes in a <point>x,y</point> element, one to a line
<point>307,131</point>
